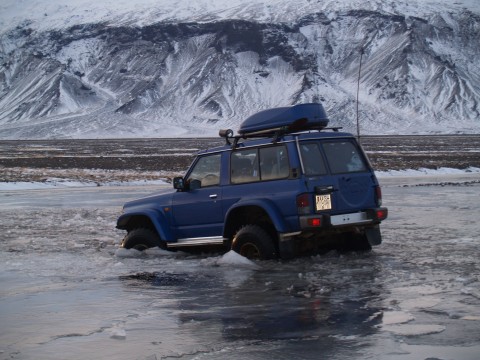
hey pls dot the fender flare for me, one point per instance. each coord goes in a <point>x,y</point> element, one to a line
<point>265,204</point>
<point>157,218</point>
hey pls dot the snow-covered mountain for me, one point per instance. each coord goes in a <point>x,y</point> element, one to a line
<point>158,68</point>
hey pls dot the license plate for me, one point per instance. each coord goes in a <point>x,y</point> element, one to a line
<point>323,202</point>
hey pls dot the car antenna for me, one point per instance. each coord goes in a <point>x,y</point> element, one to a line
<point>358,91</point>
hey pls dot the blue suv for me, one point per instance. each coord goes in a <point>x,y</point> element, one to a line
<point>286,185</point>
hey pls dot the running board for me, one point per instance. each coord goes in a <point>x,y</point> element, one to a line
<point>212,240</point>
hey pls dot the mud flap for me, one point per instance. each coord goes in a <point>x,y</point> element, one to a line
<point>373,235</point>
<point>286,248</point>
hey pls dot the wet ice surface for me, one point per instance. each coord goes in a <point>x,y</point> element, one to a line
<point>67,291</point>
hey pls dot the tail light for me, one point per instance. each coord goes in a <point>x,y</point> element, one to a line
<point>381,214</point>
<point>315,222</point>
<point>304,204</point>
<point>378,194</point>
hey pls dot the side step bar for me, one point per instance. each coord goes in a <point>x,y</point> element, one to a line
<point>211,240</point>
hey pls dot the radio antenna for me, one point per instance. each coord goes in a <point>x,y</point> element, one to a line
<point>358,91</point>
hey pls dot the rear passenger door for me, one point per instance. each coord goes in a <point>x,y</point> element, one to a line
<point>260,175</point>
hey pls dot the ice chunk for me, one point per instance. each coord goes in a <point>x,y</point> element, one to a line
<point>396,317</point>
<point>233,258</point>
<point>420,303</point>
<point>414,330</point>
<point>118,333</point>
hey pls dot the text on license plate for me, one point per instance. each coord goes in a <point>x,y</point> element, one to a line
<point>323,202</point>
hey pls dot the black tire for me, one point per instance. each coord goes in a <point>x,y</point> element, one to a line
<point>253,242</point>
<point>142,239</point>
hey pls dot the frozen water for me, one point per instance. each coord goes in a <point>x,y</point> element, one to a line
<point>68,291</point>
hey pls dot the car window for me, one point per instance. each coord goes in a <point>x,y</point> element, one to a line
<point>267,163</point>
<point>343,157</point>
<point>313,162</point>
<point>206,170</point>
<point>274,163</point>
<point>244,166</point>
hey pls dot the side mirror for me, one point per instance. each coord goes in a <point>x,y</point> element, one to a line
<point>178,183</point>
<point>195,184</point>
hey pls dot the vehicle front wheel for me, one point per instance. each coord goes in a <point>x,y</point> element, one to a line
<point>141,239</point>
<point>253,242</point>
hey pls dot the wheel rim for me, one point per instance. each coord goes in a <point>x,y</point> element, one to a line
<point>250,251</point>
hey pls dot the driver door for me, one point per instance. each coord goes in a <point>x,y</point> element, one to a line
<point>197,210</point>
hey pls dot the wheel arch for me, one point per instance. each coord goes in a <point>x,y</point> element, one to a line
<point>262,213</point>
<point>150,219</point>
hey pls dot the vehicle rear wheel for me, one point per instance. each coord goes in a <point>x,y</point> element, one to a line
<point>141,239</point>
<point>253,242</point>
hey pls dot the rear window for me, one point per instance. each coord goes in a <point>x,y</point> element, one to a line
<point>343,157</point>
<point>340,156</point>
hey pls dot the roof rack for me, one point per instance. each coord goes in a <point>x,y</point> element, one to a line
<point>228,134</point>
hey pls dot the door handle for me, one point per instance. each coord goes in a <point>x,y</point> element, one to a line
<point>324,189</point>
<point>213,196</point>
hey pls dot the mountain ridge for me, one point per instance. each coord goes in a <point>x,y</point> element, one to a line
<point>169,79</point>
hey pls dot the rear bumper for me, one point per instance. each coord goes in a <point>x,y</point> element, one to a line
<point>360,218</point>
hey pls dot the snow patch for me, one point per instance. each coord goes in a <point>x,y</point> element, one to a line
<point>60,183</point>
<point>425,171</point>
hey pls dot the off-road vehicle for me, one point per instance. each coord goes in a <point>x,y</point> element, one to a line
<point>286,185</point>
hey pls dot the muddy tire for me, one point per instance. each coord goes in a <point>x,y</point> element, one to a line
<point>253,242</point>
<point>142,239</point>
